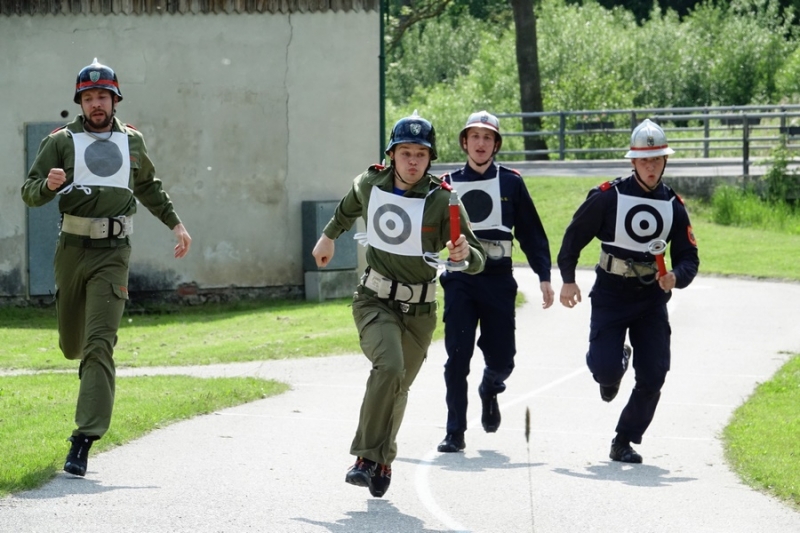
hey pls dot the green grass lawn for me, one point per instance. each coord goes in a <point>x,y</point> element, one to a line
<point>36,410</point>
<point>36,414</point>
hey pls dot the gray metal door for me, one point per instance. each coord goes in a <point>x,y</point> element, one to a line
<point>43,221</point>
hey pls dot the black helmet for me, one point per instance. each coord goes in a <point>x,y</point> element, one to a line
<point>96,76</point>
<point>413,130</point>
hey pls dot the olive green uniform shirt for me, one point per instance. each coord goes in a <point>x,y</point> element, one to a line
<point>58,151</point>
<point>435,225</point>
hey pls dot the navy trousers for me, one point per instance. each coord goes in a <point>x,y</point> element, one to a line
<point>471,302</point>
<point>625,306</point>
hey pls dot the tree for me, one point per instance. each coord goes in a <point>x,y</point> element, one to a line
<point>530,86</point>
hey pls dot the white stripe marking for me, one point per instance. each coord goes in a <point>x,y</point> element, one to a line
<point>421,478</point>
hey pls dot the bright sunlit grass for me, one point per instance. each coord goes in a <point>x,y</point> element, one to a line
<point>36,413</point>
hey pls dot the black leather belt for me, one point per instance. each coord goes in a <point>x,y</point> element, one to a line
<point>86,242</point>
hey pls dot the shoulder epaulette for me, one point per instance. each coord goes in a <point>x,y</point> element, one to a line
<point>131,127</point>
<point>514,170</point>
<point>609,184</point>
<point>58,129</point>
<point>678,196</point>
<point>377,166</point>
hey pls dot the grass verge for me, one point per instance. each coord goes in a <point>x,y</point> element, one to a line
<point>762,440</point>
<point>36,416</point>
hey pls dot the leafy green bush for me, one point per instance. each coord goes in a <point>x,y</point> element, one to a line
<point>431,53</point>
<point>733,206</point>
<point>780,183</point>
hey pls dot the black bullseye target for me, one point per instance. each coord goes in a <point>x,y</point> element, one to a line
<point>478,204</point>
<point>103,159</point>
<point>643,223</point>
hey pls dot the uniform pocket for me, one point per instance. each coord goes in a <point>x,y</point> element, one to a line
<point>120,291</point>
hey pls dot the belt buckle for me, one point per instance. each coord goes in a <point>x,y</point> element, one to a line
<point>404,307</point>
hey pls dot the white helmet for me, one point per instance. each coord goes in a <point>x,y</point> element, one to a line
<point>482,119</point>
<point>648,140</point>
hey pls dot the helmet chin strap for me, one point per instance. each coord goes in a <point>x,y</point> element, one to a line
<point>398,176</point>
<point>645,185</point>
<point>479,165</point>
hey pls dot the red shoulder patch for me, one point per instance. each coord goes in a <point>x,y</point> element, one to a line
<point>515,171</point>
<point>131,127</point>
<point>377,166</point>
<point>678,196</point>
<point>690,235</point>
<point>446,186</point>
<point>605,186</point>
<point>58,129</point>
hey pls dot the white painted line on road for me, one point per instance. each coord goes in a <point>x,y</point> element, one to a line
<point>421,477</point>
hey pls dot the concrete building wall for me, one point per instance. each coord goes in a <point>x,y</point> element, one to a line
<point>245,117</point>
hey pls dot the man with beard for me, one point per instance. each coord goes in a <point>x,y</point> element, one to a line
<point>629,297</point>
<point>97,167</point>
<point>498,203</point>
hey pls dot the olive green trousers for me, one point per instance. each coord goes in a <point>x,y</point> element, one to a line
<point>396,343</point>
<point>91,290</point>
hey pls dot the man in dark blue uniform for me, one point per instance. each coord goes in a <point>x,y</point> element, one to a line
<point>497,202</point>
<point>629,296</point>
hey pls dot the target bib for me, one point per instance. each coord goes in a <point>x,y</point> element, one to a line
<point>481,200</point>
<point>104,163</point>
<point>394,223</point>
<point>641,221</point>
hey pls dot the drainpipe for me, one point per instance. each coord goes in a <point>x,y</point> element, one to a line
<point>384,13</point>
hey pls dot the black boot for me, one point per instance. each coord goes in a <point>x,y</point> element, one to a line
<point>78,455</point>
<point>453,442</point>
<point>609,392</point>
<point>490,417</point>
<point>360,472</point>
<point>379,480</point>
<point>621,451</point>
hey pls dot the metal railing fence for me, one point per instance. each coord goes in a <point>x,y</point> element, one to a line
<point>732,131</point>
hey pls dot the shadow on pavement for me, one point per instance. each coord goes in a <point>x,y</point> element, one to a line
<point>380,515</point>
<point>459,462</point>
<point>636,475</point>
<point>65,484</point>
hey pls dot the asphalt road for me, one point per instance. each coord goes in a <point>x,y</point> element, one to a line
<point>278,465</point>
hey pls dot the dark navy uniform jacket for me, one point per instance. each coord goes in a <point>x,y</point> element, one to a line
<point>518,213</point>
<point>596,217</point>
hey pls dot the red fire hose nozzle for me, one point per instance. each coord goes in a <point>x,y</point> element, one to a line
<point>455,231</point>
<point>657,248</point>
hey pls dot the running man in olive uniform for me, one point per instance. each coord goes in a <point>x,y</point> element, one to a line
<point>407,218</point>
<point>97,167</point>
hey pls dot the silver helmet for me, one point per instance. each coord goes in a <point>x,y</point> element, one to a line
<point>482,119</point>
<point>648,140</point>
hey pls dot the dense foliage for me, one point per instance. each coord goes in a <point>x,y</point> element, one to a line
<point>590,57</point>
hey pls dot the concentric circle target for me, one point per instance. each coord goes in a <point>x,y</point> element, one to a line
<point>643,223</point>
<point>392,224</point>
